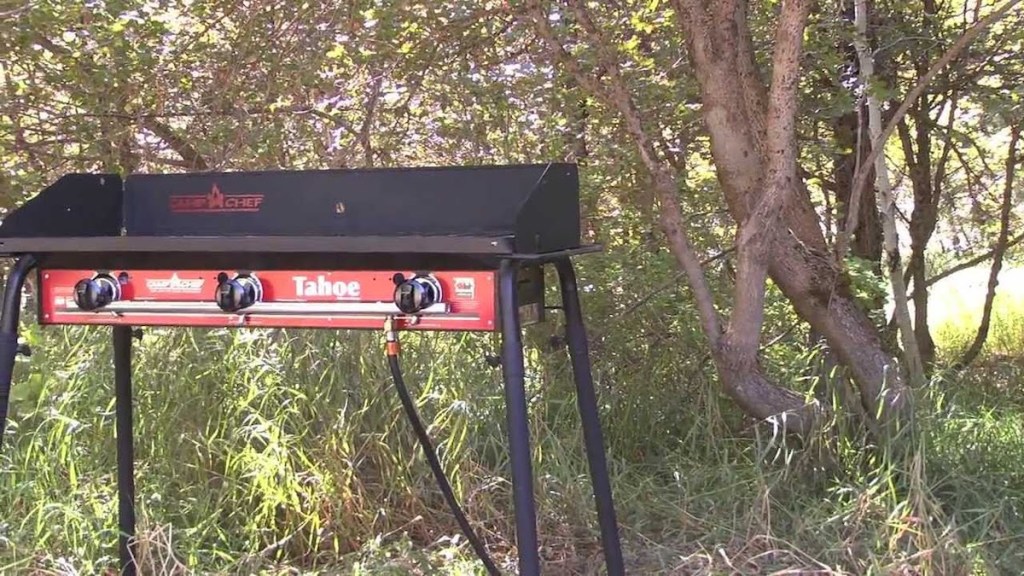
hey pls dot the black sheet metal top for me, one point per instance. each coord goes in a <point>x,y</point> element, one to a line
<point>516,209</point>
<point>76,205</point>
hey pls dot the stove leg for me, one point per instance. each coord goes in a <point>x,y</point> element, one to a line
<point>9,320</point>
<point>586,400</point>
<point>513,367</point>
<point>125,456</point>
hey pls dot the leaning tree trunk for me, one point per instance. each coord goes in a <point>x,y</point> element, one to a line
<point>853,143</point>
<point>734,345</point>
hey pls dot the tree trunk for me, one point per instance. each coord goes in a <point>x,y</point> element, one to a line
<point>922,225</point>
<point>851,138</point>
<point>851,134</point>
<point>923,220</point>
<point>1000,250</point>
<point>732,93</point>
<point>924,216</point>
<point>887,203</point>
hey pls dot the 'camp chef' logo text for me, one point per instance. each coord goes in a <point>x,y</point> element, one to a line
<point>175,284</point>
<point>216,201</point>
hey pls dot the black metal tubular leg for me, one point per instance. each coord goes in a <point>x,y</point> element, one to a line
<point>586,400</point>
<point>11,317</point>
<point>125,448</point>
<point>513,367</point>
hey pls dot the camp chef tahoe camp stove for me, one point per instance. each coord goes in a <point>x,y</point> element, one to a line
<point>460,248</point>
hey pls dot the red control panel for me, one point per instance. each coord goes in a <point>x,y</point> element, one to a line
<point>276,298</point>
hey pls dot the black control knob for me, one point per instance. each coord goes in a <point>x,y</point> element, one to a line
<point>240,292</point>
<point>417,293</point>
<point>96,292</point>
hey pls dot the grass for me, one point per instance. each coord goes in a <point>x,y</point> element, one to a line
<point>278,452</point>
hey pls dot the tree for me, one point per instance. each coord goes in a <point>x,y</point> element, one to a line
<point>779,236</point>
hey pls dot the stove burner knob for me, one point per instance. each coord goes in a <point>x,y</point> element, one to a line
<point>96,292</point>
<point>234,294</point>
<point>417,294</point>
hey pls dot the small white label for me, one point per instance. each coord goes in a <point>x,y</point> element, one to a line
<point>321,286</point>
<point>529,314</point>
<point>175,285</point>
<point>465,288</point>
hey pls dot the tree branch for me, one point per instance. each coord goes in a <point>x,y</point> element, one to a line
<point>193,159</point>
<point>15,11</point>
<point>614,93</point>
<point>968,264</point>
<point>947,145</point>
<point>879,141</point>
<point>367,128</point>
<point>672,282</point>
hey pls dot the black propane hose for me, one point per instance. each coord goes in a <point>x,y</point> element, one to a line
<point>428,449</point>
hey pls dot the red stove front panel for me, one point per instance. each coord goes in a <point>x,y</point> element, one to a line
<point>290,299</point>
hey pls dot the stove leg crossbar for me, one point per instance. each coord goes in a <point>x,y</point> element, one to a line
<point>515,401</point>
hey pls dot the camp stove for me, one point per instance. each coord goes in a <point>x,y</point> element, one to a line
<point>410,249</point>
